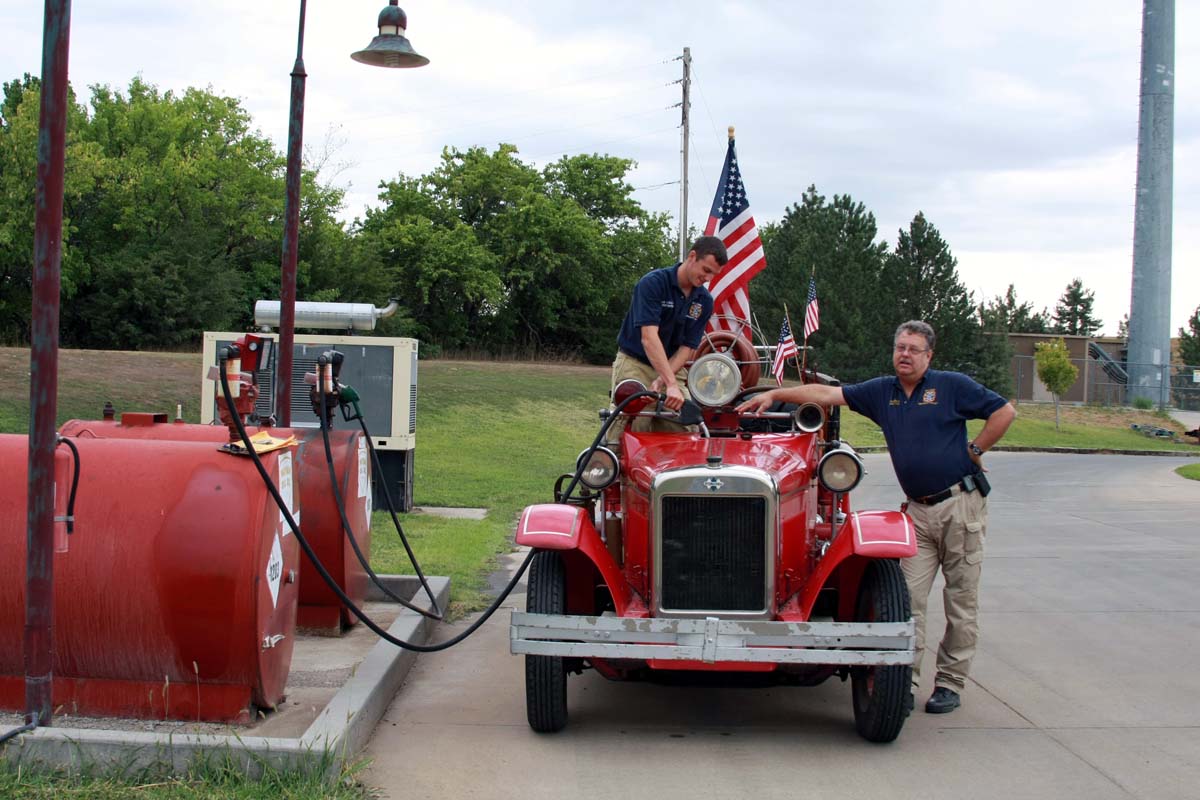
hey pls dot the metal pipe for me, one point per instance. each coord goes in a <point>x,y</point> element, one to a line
<point>43,365</point>
<point>291,235</point>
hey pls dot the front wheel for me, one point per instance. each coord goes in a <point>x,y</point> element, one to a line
<point>545,676</point>
<point>881,693</point>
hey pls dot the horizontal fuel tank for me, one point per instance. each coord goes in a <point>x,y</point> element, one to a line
<point>320,610</point>
<point>174,598</point>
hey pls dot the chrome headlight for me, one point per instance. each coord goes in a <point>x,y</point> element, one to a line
<point>714,379</point>
<point>600,470</point>
<point>840,470</point>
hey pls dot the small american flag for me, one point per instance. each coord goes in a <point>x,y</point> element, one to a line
<point>731,220</point>
<point>783,351</point>
<point>812,314</point>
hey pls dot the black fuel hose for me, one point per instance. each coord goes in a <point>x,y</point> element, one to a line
<point>324,573</point>
<point>223,358</point>
<point>15,732</point>
<point>348,531</point>
<point>74,483</point>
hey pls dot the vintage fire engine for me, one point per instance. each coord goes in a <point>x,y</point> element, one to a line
<point>730,549</point>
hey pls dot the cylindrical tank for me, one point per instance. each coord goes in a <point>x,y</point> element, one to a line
<point>176,595</point>
<point>320,610</point>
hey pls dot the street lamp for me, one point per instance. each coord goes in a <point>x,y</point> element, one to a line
<point>390,48</point>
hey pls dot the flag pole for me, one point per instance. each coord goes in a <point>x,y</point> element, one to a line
<point>812,276</point>
<point>799,365</point>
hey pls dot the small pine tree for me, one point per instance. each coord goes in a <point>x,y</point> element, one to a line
<point>1189,340</point>
<point>1055,369</point>
<point>1073,314</point>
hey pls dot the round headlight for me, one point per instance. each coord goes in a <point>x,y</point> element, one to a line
<point>840,470</point>
<point>600,470</point>
<point>714,379</point>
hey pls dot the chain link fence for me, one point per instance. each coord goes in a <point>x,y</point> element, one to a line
<point>1103,380</point>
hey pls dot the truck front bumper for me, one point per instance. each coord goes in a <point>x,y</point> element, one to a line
<point>709,640</point>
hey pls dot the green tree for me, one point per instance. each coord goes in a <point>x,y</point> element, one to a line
<point>920,281</point>
<point>19,113</point>
<point>1055,370</point>
<point>1189,340</point>
<point>835,241</point>
<point>1006,314</point>
<point>487,252</point>
<point>1073,313</point>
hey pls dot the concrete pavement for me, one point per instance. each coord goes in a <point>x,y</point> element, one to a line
<point>1084,685</point>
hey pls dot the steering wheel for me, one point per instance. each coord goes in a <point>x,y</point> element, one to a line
<point>738,348</point>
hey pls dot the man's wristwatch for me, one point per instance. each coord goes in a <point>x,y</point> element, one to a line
<point>975,449</point>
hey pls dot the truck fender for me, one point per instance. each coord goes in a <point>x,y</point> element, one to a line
<point>883,534</point>
<point>557,526</point>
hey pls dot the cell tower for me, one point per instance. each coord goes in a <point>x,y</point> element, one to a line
<point>1150,304</point>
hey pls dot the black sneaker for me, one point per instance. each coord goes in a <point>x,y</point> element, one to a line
<point>942,701</point>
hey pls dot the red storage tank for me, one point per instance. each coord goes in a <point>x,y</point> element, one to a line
<point>176,596</point>
<point>320,610</point>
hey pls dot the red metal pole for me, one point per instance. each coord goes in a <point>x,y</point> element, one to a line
<point>291,234</point>
<point>43,365</point>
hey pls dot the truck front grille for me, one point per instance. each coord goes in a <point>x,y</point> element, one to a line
<point>713,553</point>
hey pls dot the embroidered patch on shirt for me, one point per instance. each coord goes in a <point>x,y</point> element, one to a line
<point>929,396</point>
<point>694,311</point>
<point>668,303</point>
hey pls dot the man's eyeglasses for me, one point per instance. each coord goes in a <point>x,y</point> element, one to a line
<point>909,349</point>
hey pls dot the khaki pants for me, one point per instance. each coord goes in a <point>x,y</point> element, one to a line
<point>629,368</point>
<point>950,535</point>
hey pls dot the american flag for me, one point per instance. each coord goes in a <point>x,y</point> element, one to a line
<point>812,314</point>
<point>730,219</point>
<point>783,351</point>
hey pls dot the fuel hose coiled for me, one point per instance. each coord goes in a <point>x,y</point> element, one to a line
<point>322,365</point>
<point>224,357</point>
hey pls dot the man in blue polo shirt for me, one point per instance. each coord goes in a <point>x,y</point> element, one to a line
<point>665,322</point>
<point>923,415</point>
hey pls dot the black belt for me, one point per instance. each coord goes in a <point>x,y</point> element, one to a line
<point>635,356</point>
<point>945,494</point>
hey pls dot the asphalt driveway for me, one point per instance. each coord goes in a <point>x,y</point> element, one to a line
<point>1086,684</point>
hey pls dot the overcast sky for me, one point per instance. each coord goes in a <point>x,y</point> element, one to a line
<point>1011,124</point>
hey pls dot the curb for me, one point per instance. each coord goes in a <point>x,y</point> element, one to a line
<point>334,738</point>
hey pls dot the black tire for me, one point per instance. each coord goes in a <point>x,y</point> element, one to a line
<point>545,676</point>
<point>881,693</point>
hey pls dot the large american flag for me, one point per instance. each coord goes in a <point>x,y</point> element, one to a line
<point>812,313</point>
<point>730,219</point>
<point>783,351</point>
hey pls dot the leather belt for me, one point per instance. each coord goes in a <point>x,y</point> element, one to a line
<point>945,494</point>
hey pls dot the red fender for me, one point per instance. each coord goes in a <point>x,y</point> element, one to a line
<point>883,534</point>
<point>868,534</point>
<point>738,348</point>
<point>556,526</point>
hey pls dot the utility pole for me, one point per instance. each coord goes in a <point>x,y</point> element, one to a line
<point>686,106</point>
<point>1150,304</point>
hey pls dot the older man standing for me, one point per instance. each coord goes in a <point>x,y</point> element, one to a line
<point>923,415</point>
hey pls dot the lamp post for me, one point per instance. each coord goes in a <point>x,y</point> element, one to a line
<point>390,48</point>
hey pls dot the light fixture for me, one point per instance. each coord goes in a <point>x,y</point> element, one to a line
<point>391,47</point>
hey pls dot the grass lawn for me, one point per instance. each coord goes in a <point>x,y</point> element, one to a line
<point>1191,471</point>
<point>208,779</point>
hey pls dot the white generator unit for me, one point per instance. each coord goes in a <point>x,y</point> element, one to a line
<point>383,370</point>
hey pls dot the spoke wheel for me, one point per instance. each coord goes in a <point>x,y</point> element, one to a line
<point>880,693</point>
<point>545,676</point>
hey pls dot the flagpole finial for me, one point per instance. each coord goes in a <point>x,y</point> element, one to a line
<point>731,132</point>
